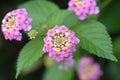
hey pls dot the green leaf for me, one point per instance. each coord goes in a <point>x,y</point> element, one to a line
<point>54,73</point>
<point>39,10</point>
<point>57,18</point>
<point>30,53</point>
<point>95,39</point>
<point>71,20</point>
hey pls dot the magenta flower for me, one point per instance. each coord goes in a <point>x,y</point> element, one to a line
<point>14,22</point>
<point>82,8</point>
<point>60,43</point>
<point>88,70</point>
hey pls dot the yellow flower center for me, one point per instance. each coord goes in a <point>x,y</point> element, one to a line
<point>58,49</point>
<point>78,2</point>
<point>60,40</point>
<point>10,22</point>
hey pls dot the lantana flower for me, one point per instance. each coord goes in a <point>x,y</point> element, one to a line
<point>82,8</point>
<point>60,43</point>
<point>14,22</point>
<point>88,70</point>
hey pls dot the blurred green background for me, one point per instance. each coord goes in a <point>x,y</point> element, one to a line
<point>9,50</point>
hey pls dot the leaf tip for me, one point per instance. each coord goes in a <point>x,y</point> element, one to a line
<point>17,74</point>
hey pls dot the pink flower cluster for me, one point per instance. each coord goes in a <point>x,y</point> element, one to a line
<point>88,70</point>
<point>82,8</point>
<point>14,22</point>
<point>60,43</point>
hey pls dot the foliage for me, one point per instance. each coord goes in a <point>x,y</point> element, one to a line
<point>92,34</point>
<point>98,34</point>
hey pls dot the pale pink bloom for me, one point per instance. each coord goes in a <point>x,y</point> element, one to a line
<point>63,29</point>
<point>88,70</point>
<point>65,52</point>
<point>51,32</point>
<point>83,8</point>
<point>58,57</point>
<point>57,43</point>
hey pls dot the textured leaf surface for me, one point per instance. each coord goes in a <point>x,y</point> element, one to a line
<point>71,20</point>
<point>95,39</point>
<point>30,53</point>
<point>57,18</point>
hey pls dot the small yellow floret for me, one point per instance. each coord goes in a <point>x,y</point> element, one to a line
<point>58,49</point>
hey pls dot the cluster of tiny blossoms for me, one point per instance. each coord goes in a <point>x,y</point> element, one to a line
<point>88,70</point>
<point>14,22</point>
<point>82,8</point>
<point>60,43</point>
